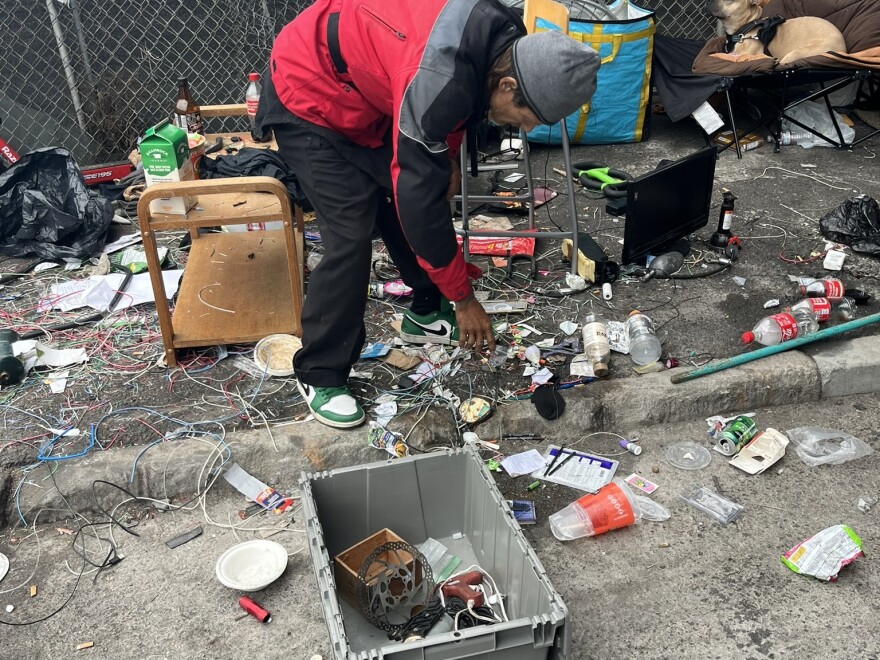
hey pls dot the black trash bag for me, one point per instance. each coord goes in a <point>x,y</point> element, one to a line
<point>856,223</point>
<point>47,210</point>
<point>254,162</point>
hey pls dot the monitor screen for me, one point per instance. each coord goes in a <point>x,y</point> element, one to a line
<point>667,204</point>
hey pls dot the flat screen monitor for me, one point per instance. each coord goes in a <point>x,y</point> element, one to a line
<point>668,204</point>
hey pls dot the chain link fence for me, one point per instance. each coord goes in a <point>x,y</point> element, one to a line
<point>92,76</point>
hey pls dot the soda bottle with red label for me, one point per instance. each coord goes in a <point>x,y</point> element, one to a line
<point>824,309</point>
<point>252,96</point>
<point>785,326</point>
<point>829,287</point>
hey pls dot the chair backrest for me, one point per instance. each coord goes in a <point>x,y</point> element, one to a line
<point>550,11</point>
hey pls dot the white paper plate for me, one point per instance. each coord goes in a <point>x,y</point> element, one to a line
<point>252,565</point>
<point>278,350</point>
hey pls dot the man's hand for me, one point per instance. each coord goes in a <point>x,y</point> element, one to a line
<point>454,180</point>
<point>473,324</point>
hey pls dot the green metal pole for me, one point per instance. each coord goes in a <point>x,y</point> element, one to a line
<point>772,350</point>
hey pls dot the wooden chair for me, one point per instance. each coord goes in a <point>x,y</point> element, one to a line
<point>237,287</point>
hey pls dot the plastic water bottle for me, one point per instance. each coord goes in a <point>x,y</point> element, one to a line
<point>785,326</point>
<point>842,309</point>
<point>829,287</point>
<point>596,346</point>
<point>252,96</point>
<point>792,136</point>
<point>644,347</point>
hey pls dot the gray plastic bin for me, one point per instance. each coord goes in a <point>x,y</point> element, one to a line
<point>433,495</point>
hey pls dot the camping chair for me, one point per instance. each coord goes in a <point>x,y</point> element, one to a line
<point>558,15</point>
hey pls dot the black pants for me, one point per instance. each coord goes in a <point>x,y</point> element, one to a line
<point>349,202</point>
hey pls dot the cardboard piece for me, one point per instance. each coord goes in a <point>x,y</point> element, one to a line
<point>764,450</point>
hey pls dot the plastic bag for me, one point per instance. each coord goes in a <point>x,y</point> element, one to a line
<point>856,222</point>
<point>815,115</point>
<point>818,446</point>
<point>720,508</point>
<point>47,210</point>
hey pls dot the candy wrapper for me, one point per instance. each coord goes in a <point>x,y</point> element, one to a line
<point>824,554</point>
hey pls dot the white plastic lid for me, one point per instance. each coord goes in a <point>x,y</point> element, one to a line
<point>688,456</point>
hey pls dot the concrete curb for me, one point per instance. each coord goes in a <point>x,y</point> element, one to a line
<point>626,406</point>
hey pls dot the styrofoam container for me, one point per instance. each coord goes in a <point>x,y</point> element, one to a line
<point>252,565</point>
<point>450,497</point>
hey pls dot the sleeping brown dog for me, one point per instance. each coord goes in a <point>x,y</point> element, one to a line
<point>794,39</point>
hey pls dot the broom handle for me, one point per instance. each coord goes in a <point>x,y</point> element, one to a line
<point>772,350</point>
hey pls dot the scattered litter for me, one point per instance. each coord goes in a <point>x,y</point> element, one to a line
<point>834,260</point>
<point>523,463</point>
<point>529,370</point>
<point>763,451</point>
<point>773,302</point>
<point>513,178</point>
<point>823,555</point>
<point>34,354</point>
<point>712,504</point>
<point>688,456</point>
<point>613,507</point>
<point>84,645</point>
<point>98,291</point>
<point>568,327</point>
<point>650,368</point>
<point>523,511</point>
<point>641,483</point>
<point>186,537</point>
<point>716,423</point>
<point>618,338</point>
<point>575,282</point>
<point>57,381</point>
<point>474,410</point>
<point>655,469</point>
<point>735,434</point>
<point>391,442</point>
<point>533,354</point>
<point>578,469</point>
<point>4,566</point>
<point>254,489</point>
<point>252,565</point>
<point>542,377</point>
<point>505,306</point>
<point>376,350</point>
<point>548,342</point>
<point>398,358</point>
<point>33,591</point>
<point>46,265</point>
<point>817,446</point>
<point>864,504</point>
<point>529,329</point>
<point>739,281</point>
<point>274,354</point>
<point>10,608</point>
<point>581,365</point>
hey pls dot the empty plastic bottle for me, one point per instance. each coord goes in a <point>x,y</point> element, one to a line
<point>824,309</point>
<point>785,326</point>
<point>252,96</point>
<point>644,347</point>
<point>829,287</point>
<point>596,346</point>
<point>792,136</point>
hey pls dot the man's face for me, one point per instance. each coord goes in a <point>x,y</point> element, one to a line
<point>503,111</point>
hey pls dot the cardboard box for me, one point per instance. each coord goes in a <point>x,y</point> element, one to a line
<point>746,142</point>
<point>165,155</point>
<point>347,564</point>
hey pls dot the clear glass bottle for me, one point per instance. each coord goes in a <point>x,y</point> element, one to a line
<point>596,348</point>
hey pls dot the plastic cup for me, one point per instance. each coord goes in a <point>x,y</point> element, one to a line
<point>612,507</point>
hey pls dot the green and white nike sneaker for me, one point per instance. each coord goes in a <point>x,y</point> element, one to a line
<point>333,406</point>
<point>437,327</point>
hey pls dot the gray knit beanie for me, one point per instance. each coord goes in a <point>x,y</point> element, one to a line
<point>556,74</point>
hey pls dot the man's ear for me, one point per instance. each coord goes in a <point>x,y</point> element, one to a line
<point>508,84</point>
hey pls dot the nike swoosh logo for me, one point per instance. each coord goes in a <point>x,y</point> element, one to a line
<point>445,329</point>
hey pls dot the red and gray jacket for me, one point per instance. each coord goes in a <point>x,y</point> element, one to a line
<point>358,67</point>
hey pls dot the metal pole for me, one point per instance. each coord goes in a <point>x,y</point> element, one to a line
<point>572,205</point>
<point>81,38</point>
<point>772,350</point>
<point>65,61</point>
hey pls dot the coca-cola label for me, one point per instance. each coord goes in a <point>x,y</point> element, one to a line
<point>821,308</point>
<point>252,106</point>
<point>788,326</point>
<point>833,289</point>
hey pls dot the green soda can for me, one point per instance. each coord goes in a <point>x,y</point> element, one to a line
<point>736,435</point>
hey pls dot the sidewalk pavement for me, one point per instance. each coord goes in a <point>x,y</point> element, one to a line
<point>628,405</point>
